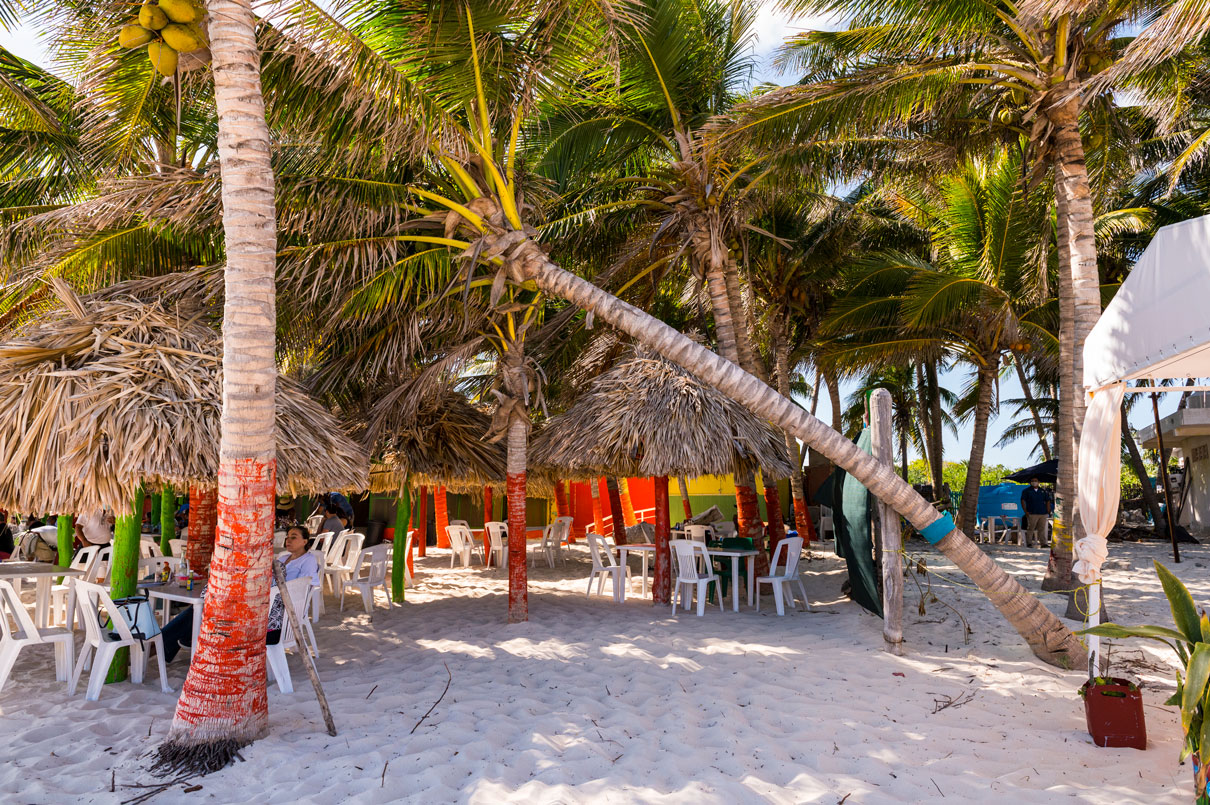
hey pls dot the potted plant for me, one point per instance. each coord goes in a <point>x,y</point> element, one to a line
<point>1191,642</point>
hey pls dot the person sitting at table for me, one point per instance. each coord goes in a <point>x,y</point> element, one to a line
<point>333,521</point>
<point>298,562</point>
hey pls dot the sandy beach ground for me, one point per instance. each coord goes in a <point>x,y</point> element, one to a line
<point>595,701</point>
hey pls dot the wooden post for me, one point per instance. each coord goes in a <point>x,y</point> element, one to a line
<point>888,519</point>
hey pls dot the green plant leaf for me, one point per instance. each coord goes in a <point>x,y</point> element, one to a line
<point>1203,739</point>
<point>1205,627</point>
<point>1174,699</point>
<point>1196,676</point>
<point>1184,613</point>
<point>1161,633</point>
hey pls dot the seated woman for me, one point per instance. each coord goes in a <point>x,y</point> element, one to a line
<point>298,562</point>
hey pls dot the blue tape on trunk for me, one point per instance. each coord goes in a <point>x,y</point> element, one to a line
<point>935,531</point>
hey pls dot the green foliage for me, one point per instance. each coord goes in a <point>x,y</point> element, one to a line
<point>954,473</point>
<point>1191,642</point>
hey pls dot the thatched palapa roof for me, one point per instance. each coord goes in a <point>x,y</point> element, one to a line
<point>647,416</point>
<point>104,394</point>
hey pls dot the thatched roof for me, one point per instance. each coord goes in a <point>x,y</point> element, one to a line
<point>438,437</point>
<point>648,417</point>
<point>104,394</point>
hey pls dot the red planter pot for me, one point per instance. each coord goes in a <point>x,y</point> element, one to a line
<point>1114,711</point>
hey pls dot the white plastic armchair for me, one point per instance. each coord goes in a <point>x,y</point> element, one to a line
<point>95,604</point>
<point>62,605</point>
<point>275,653</point>
<point>496,534</point>
<point>604,565</point>
<point>369,573</point>
<point>688,552</point>
<point>177,546</point>
<point>340,557</point>
<point>462,544</point>
<point>149,548</point>
<point>23,633</point>
<point>788,552</point>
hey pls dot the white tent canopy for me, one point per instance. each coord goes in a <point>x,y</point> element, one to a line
<point>1157,326</point>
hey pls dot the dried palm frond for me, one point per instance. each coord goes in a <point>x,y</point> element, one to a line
<point>649,417</point>
<point>107,393</point>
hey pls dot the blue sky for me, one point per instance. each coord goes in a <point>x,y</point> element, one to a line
<point>771,29</point>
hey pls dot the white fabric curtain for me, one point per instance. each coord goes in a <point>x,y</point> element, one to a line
<point>1100,479</point>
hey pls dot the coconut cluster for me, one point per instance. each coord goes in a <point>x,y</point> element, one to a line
<point>168,28</point>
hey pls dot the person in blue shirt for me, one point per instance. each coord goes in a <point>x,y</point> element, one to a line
<point>1038,505</point>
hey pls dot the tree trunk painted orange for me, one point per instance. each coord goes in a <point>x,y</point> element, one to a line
<point>203,519</point>
<point>224,694</point>
<point>422,522</point>
<point>441,509</point>
<point>598,516</point>
<point>750,524</point>
<point>518,576</point>
<point>615,509</point>
<point>560,499</point>
<point>683,486</point>
<point>777,529</point>
<point>577,530</point>
<point>627,505</point>
<point>662,584</point>
<point>802,519</point>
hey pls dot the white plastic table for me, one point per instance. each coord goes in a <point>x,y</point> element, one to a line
<point>42,573</point>
<point>735,555</point>
<point>644,548</point>
<point>173,591</point>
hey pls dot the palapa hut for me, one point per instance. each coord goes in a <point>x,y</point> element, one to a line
<point>648,417</point>
<point>105,396</point>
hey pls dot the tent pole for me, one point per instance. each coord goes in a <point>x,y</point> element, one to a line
<point>1159,435</point>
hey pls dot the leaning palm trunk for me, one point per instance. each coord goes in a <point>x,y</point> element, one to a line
<point>1079,307</point>
<point>781,354</point>
<point>974,467</point>
<point>1046,635</point>
<point>223,704</point>
<point>682,486</point>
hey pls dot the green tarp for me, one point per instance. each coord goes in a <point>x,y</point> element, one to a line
<point>851,510</point>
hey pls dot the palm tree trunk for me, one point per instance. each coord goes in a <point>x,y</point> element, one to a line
<point>720,304</point>
<point>441,511</point>
<point>781,356</point>
<point>399,558</point>
<point>124,572</point>
<point>1046,635</point>
<point>518,573</point>
<point>422,522</point>
<point>903,454</point>
<point>829,377</point>
<point>617,518</point>
<point>1033,408</point>
<point>1079,308</point>
<point>203,519</point>
<point>598,516</point>
<point>1140,472</point>
<point>167,519</point>
<point>65,539</point>
<point>628,515</point>
<point>974,467</point>
<point>662,582</point>
<point>223,704</point>
<point>936,454</point>
<point>683,487</point>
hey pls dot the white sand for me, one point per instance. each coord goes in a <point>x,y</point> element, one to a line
<point>596,701</point>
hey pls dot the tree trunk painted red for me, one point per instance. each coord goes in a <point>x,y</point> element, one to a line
<point>802,519</point>
<point>750,524</point>
<point>627,505</point>
<point>224,694</point>
<point>685,504</point>
<point>598,515</point>
<point>203,519</point>
<point>422,523</point>
<point>488,506</point>
<point>662,584</point>
<point>441,509</point>
<point>577,530</point>
<point>560,499</point>
<point>777,529</point>
<point>518,577</point>
<point>615,509</point>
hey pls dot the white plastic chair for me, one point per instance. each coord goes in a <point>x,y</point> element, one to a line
<point>339,562</point>
<point>314,522</point>
<point>275,653</point>
<point>699,533</point>
<point>497,533</point>
<point>462,544</point>
<point>369,571</point>
<point>104,643</point>
<point>825,522</point>
<point>317,600</point>
<point>61,603</point>
<point>688,552</point>
<point>177,546</point>
<point>100,568</point>
<point>549,546</point>
<point>462,523</point>
<point>149,548</point>
<point>323,542</point>
<point>605,567</point>
<point>789,551</point>
<point>26,634</point>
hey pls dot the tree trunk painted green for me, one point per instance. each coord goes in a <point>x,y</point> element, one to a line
<point>403,516</point>
<point>66,539</point>
<point>167,500</point>
<point>124,572</point>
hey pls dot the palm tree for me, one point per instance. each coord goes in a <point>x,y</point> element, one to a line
<point>223,704</point>
<point>970,74</point>
<point>973,299</point>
